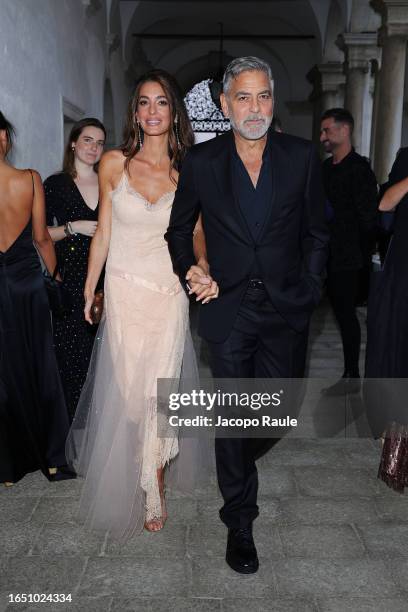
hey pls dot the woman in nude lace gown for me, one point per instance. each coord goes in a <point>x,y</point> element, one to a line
<point>143,333</point>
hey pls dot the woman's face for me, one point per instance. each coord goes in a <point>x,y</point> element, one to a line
<point>153,109</point>
<point>89,146</point>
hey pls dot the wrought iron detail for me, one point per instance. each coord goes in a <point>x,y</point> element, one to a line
<point>202,110</point>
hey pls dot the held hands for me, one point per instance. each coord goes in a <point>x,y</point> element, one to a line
<point>87,228</point>
<point>201,283</point>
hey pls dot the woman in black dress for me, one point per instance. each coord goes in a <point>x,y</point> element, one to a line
<point>33,419</point>
<point>72,210</point>
<point>386,388</point>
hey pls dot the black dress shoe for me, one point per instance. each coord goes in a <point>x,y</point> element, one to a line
<point>241,552</point>
<point>347,385</point>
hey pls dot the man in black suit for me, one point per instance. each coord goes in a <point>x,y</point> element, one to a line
<point>260,196</point>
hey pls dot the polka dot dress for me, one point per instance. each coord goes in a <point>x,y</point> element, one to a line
<point>73,336</point>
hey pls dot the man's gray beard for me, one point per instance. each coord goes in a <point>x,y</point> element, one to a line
<point>252,134</point>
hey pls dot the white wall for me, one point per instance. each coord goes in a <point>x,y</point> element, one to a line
<point>50,50</point>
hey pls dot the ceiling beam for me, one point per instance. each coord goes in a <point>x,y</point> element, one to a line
<point>199,37</point>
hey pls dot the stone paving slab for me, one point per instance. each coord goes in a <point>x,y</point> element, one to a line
<point>360,604</point>
<point>277,481</point>
<point>79,604</point>
<point>171,604</point>
<point>334,577</point>
<point>16,537</point>
<point>40,574</point>
<point>271,604</point>
<point>392,507</point>
<point>326,511</point>
<point>62,509</point>
<point>398,568</point>
<point>213,578</point>
<point>326,482</point>
<point>12,510</point>
<point>384,540</point>
<point>168,543</point>
<point>321,541</point>
<point>130,577</point>
<point>67,540</point>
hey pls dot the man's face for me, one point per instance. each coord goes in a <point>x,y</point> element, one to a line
<point>333,134</point>
<point>249,104</point>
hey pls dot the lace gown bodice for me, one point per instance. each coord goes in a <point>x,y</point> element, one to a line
<point>137,247</point>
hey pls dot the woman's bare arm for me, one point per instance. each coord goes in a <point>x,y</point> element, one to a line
<point>108,171</point>
<point>41,236</point>
<point>394,195</point>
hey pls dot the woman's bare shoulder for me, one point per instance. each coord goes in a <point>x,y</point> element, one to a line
<point>22,179</point>
<point>113,159</point>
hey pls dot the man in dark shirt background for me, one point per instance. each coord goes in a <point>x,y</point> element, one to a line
<point>351,207</point>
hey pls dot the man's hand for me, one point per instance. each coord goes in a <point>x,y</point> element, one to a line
<point>201,283</point>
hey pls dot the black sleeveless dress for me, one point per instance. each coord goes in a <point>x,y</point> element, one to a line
<point>33,418</point>
<point>73,336</point>
<point>386,384</point>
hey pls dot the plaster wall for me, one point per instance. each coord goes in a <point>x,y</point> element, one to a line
<point>53,54</point>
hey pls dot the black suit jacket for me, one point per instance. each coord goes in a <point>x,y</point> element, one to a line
<point>291,249</point>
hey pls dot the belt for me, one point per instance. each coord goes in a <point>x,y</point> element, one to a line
<point>256,283</point>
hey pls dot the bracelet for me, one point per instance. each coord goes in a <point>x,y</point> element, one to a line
<point>68,231</point>
<point>71,231</point>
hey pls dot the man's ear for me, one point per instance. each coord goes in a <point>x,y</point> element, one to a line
<point>224,105</point>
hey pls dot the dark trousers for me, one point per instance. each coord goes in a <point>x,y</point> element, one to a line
<point>343,288</point>
<point>261,345</point>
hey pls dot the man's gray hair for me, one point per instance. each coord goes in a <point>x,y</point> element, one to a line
<point>243,64</point>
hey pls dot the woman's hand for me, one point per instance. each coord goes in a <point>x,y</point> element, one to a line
<point>202,284</point>
<point>89,299</point>
<point>212,292</point>
<point>86,228</point>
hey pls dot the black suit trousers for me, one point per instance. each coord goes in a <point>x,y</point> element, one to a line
<point>260,345</point>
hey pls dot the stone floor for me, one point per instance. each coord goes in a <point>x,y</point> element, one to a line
<point>330,536</point>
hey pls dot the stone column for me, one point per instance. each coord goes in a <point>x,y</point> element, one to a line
<point>332,85</point>
<point>375,92</point>
<point>328,91</point>
<point>360,49</point>
<point>393,38</point>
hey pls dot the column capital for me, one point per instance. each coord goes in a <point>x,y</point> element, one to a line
<point>331,75</point>
<point>91,6</point>
<point>361,48</point>
<point>395,19</point>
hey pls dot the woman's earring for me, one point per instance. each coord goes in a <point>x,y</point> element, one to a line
<point>73,148</point>
<point>139,135</point>
<point>176,130</point>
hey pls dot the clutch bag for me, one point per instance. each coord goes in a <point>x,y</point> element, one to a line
<point>97,307</point>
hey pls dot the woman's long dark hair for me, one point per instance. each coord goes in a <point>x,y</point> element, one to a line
<point>68,165</point>
<point>131,142</point>
<point>10,132</point>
